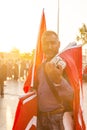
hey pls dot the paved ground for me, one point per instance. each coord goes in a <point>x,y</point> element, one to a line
<point>8,104</point>
<point>13,90</point>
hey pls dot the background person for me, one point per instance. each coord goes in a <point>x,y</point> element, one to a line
<point>3,76</point>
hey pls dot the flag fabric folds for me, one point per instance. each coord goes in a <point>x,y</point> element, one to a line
<point>73,59</point>
<point>26,113</point>
<point>38,57</point>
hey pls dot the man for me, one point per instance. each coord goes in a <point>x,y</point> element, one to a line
<point>55,95</point>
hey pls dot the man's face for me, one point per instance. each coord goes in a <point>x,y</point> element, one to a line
<point>50,46</point>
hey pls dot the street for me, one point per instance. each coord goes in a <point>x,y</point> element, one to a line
<point>13,90</point>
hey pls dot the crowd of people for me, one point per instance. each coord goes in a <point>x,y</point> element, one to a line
<point>10,69</point>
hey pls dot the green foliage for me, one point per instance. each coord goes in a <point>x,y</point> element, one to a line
<point>82,34</point>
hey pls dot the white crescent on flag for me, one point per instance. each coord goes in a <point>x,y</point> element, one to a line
<point>33,121</point>
<point>26,113</point>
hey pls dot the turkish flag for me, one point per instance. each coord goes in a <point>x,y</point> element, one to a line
<point>38,57</point>
<point>73,58</point>
<point>26,113</point>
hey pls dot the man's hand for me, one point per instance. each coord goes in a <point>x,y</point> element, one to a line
<point>54,73</point>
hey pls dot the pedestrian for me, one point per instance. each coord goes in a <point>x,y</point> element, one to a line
<point>3,76</point>
<point>15,71</point>
<point>55,95</point>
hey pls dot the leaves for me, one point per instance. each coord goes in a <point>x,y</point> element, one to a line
<point>82,34</point>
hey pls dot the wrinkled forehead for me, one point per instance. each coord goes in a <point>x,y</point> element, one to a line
<point>49,36</point>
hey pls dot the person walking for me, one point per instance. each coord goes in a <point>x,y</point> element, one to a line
<point>3,76</point>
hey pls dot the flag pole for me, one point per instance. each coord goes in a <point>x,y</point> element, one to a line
<point>58,13</point>
<point>39,39</point>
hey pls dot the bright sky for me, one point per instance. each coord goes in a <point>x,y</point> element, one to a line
<point>20,19</point>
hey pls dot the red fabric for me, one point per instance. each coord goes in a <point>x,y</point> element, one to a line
<point>25,112</point>
<point>38,55</point>
<point>73,58</point>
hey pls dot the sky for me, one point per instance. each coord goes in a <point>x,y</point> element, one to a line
<point>20,21</point>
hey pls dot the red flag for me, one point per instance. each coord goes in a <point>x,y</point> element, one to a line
<point>26,113</point>
<point>37,58</point>
<point>73,58</point>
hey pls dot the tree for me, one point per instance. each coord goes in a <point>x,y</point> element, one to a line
<point>82,34</point>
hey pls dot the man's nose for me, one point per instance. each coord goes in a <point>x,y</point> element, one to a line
<point>49,46</point>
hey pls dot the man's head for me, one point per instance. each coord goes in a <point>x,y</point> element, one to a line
<point>50,44</point>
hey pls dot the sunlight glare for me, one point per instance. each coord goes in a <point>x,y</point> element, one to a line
<point>19,28</point>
